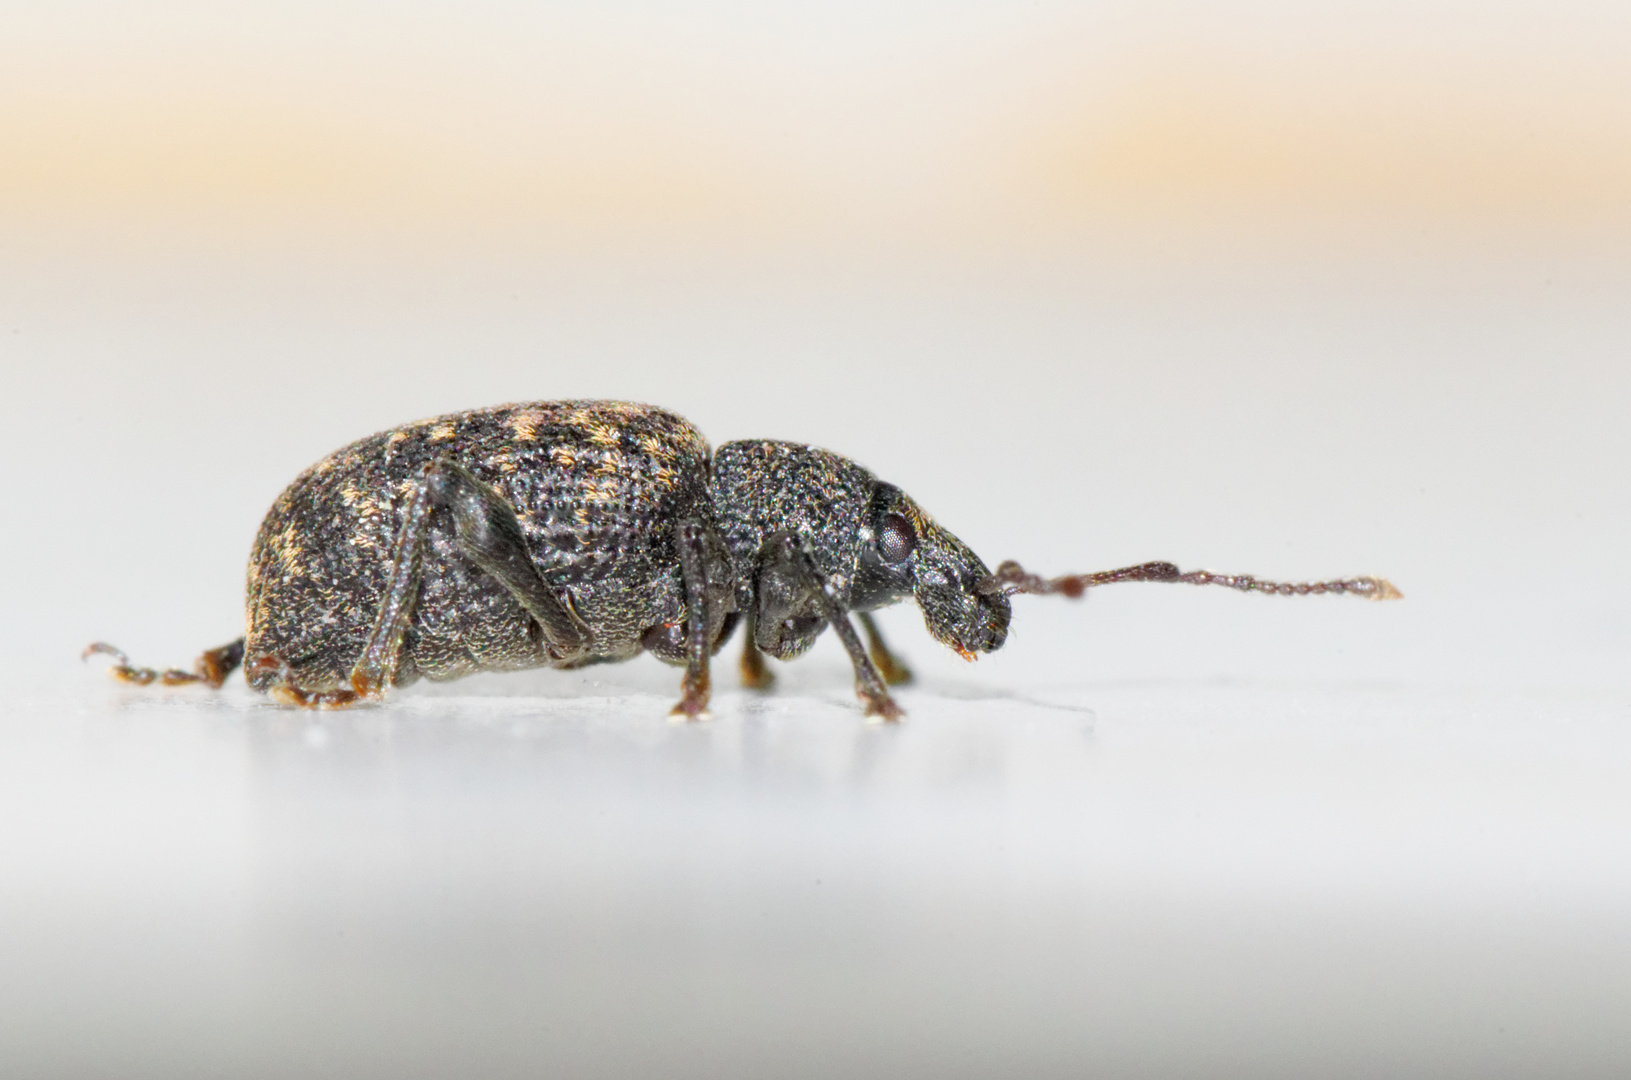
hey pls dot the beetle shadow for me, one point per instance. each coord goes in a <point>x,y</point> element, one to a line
<point>1071,699</point>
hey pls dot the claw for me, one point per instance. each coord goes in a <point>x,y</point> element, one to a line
<point>693,703</point>
<point>884,708</point>
<point>103,647</point>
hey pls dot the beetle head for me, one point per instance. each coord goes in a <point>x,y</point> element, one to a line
<point>905,552</point>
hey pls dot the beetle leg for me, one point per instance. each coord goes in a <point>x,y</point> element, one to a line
<point>869,685</point>
<point>283,690</point>
<point>490,536</point>
<point>755,676</point>
<point>894,672</point>
<point>690,540</point>
<point>378,658</point>
<point>211,668</point>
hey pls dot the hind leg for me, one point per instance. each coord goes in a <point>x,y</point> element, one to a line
<point>489,535</point>
<point>211,668</point>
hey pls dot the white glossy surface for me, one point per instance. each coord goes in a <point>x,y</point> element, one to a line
<point>544,877</point>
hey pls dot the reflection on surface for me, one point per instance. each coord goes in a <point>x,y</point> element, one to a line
<point>546,875</point>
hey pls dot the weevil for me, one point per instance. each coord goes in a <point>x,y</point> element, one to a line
<point>567,533</point>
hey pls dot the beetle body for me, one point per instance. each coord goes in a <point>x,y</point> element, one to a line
<point>566,533</point>
<point>597,488</point>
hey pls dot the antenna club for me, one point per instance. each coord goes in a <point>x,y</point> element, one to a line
<point>1383,589</point>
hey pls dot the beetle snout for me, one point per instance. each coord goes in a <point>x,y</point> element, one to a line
<point>989,628</point>
<point>947,588</point>
<point>984,629</point>
<point>964,620</point>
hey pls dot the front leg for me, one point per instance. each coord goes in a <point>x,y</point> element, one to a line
<point>794,599</point>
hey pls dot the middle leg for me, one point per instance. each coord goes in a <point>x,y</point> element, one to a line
<point>755,676</point>
<point>694,689</point>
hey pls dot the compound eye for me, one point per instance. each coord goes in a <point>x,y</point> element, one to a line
<point>895,539</point>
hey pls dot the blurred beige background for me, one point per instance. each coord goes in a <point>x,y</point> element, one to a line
<point>966,128</point>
